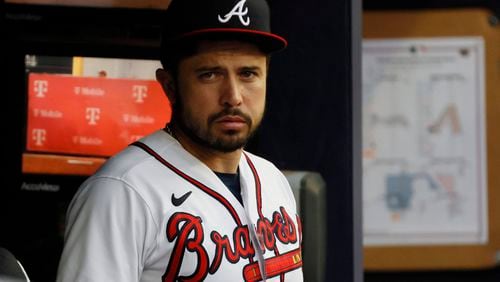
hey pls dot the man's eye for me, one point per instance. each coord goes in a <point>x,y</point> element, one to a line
<point>248,74</point>
<point>207,75</point>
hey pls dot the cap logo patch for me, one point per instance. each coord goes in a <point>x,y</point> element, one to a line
<point>238,10</point>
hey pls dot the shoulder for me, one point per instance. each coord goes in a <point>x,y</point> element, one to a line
<point>272,176</point>
<point>266,168</point>
<point>260,162</point>
<point>133,160</point>
<point>130,173</point>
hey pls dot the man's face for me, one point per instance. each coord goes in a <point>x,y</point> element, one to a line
<point>221,92</point>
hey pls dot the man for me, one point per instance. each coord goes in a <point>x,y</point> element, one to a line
<point>187,203</point>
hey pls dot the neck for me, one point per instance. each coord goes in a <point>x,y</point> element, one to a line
<point>216,160</point>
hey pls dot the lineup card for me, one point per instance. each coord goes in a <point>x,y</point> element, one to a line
<point>424,164</point>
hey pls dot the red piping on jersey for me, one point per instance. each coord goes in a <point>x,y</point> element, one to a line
<point>257,186</point>
<point>259,205</point>
<point>191,180</point>
<point>277,265</point>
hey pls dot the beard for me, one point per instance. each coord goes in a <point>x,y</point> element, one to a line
<point>207,136</point>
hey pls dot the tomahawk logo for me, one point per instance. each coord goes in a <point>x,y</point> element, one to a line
<point>140,92</point>
<point>92,115</point>
<point>238,10</point>
<point>41,87</point>
<point>39,136</point>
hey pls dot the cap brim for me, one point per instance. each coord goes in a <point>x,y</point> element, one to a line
<point>268,42</point>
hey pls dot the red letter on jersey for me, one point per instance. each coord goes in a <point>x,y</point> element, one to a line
<point>191,228</point>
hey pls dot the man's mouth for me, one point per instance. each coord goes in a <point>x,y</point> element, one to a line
<point>231,122</point>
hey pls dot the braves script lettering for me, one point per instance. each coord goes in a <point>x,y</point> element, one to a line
<point>238,10</point>
<point>189,237</point>
<point>188,232</point>
<point>281,228</point>
<point>242,247</point>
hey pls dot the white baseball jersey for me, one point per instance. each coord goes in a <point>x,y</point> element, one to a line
<point>156,213</point>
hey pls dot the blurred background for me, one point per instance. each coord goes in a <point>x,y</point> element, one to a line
<point>382,113</point>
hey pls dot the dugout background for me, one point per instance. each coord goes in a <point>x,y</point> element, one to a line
<point>313,103</point>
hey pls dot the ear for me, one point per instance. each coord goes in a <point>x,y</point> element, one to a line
<point>166,81</point>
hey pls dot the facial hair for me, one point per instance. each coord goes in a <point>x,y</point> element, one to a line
<point>225,142</point>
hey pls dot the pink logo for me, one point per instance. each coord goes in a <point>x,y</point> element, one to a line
<point>39,136</point>
<point>41,87</point>
<point>140,92</point>
<point>92,115</point>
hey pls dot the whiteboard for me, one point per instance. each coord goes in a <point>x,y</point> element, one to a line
<point>424,162</point>
<point>467,23</point>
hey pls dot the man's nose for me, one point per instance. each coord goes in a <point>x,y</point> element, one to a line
<point>232,92</point>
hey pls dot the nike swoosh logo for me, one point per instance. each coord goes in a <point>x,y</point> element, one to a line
<point>178,201</point>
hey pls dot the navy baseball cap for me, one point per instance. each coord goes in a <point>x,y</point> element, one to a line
<point>249,20</point>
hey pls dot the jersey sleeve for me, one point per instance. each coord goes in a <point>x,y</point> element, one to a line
<point>109,233</point>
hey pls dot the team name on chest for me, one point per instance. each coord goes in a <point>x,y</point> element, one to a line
<point>187,230</point>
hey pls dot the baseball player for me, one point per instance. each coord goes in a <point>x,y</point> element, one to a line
<point>187,203</point>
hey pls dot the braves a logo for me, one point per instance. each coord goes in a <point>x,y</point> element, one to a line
<point>238,10</point>
<point>187,231</point>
